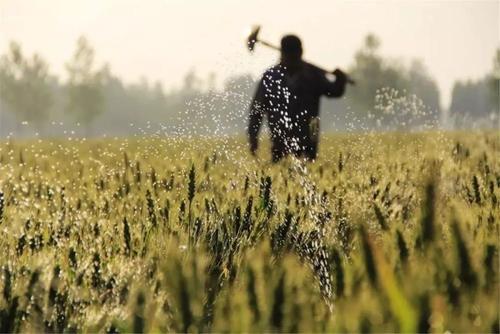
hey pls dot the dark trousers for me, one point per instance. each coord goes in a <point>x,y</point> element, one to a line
<point>302,149</point>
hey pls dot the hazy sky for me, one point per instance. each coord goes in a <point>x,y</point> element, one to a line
<point>163,39</point>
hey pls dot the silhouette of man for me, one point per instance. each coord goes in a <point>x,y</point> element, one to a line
<point>289,94</point>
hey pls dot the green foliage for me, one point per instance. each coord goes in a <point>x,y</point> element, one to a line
<point>474,100</point>
<point>25,86</point>
<point>191,183</point>
<point>378,76</point>
<point>495,83</point>
<point>85,96</point>
<point>1,206</point>
<point>471,99</point>
<point>429,214</point>
<point>401,238</point>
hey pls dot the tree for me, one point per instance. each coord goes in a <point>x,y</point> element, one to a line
<point>421,84</point>
<point>371,71</point>
<point>192,83</point>
<point>395,95</point>
<point>470,101</point>
<point>25,86</point>
<point>477,101</point>
<point>85,85</point>
<point>495,84</point>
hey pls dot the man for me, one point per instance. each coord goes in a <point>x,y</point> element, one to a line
<point>289,94</point>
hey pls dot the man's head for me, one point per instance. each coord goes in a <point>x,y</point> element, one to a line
<point>291,49</point>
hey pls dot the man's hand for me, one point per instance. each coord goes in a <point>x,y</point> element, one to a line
<point>342,76</point>
<point>339,74</point>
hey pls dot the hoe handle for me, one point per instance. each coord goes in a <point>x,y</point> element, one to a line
<point>272,46</point>
<point>269,45</point>
<point>349,80</point>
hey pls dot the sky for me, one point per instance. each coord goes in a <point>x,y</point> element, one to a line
<point>162,40</point>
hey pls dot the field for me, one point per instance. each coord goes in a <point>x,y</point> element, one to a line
<point>388,232</point>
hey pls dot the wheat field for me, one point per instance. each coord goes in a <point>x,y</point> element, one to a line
<point>391,232</point>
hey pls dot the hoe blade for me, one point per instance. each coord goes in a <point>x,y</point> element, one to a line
<point>252,38</point>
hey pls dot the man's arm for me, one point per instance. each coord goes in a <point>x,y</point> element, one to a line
<point>255,117</point>
<point>334,88</point>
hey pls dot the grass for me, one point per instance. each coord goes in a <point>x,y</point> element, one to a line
<point>388,232</point>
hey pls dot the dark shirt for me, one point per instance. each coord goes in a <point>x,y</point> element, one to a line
<point>289,97</point>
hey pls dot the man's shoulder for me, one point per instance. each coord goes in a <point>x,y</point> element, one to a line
<point>274,69</point>
<point>273,72</point>
<point>272,76</point>
<point>310,68</point>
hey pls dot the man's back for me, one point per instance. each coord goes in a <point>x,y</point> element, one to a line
<point>289,96</point>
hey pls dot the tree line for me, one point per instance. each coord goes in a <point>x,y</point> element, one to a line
<point>389,94</point>
<point>478,100</point>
